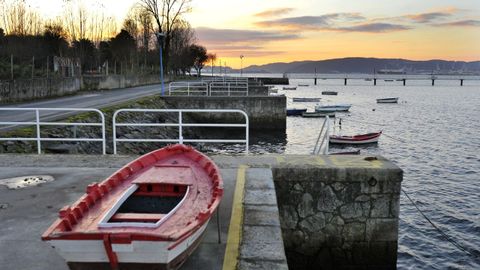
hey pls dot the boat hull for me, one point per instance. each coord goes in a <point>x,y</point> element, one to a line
<point>387,100</point>
<point>295,112</point>
<point>359,139</point>
<point>306,99</point>
<point>317,115</point>
<point>152,212</point>
<point>329,93</point>
<point>90,254</point>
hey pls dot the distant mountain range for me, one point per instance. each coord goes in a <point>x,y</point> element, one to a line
<point>369,65</point>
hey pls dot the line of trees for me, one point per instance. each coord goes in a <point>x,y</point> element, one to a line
<point>32,46</point>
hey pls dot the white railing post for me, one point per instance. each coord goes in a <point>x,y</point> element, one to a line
<point>180,128</point>
<point>228,89</point>
<point>39,142</point>
<point>114,132</point>
<point>188,89</point>
<point>104,140</point>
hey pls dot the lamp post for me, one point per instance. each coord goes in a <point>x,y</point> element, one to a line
<point>160,37</point>
<point>241,65</point>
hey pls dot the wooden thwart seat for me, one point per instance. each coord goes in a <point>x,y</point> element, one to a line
<point>136,217</point>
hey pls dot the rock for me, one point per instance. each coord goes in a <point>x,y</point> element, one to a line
<point>289,217</point>
<point>327,200</point>
<point>305,208</point>
<point>313,223</point>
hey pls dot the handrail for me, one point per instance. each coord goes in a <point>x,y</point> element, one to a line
<point>180,126</point>
<point>230,88</point>
<point>323,139</point>
<point>188,88</point>
<point>39,124</point>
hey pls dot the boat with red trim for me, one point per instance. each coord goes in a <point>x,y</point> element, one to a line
<point>355,139</point>
<point>152,213</point>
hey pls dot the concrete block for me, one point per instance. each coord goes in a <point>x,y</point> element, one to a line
<point>262,265</point>
<point>262,243</point>
<point>261,215</point>
<point>259,197</point>
<point>259,178</point>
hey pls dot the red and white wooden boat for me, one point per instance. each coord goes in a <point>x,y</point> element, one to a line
<point>356,139</point>
<point>152,213</point>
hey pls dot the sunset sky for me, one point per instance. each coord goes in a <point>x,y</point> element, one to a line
<point>267,31</point>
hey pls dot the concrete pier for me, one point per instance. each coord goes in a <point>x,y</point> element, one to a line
<point>337,212</point>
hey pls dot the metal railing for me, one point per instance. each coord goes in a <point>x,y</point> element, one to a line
<point>180,125</point>
<point>188,88</point>
<point>38,124</point>
<point>228,88</point>
<point>322,144</point>
<point>226,79</point>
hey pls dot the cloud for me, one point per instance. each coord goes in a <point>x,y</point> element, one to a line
<point>222,36</point>
<point>373,28</point>
<point>462,23</point>
<point>428,17</point>
<point>311,22</point>
<point>261,53</point>
<point>274,12</point>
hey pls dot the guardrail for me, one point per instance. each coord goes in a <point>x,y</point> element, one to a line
<point>38,124</point>
<point>321,146</point>
<point>229,88</point>
<point>180,125</point>
<point>188,88</point>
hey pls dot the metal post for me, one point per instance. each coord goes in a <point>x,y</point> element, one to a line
<point>188,89</point>
<point>345,82</point>
<point>433,82</point>
<point>180,131</point>
<point>160,48</point>
<point>228,89</point>
<point>246,135</point>
<point>104,144</point>
<point>461,82</point>
<point>218,225</point>
<point>114,132</point>
<point>39,142</point>
<point>374,82</point>
<point>327,143</point>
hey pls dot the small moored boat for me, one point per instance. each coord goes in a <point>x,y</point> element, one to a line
<point>387,100</point>
<point>330,93</point>
<point>289,88</point>
<point>152,213</point>
<point>303,99</point>
<point>295,112</point>
<point>333,108</point>
<point>317,114</point>
<point>356,139</point>
<point>303,85</point>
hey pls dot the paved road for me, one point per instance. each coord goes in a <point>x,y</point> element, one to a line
<point>96,100</point>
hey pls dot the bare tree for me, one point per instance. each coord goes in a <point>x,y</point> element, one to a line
<point>17,18</point>
<point>166,14</point>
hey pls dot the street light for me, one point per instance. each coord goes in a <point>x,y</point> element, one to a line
<point>241,65</point>
<point>160,37</point>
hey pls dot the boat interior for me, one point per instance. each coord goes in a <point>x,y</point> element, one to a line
<point>150,203</point>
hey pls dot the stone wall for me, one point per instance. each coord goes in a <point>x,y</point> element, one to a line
<point>263,112</point>
<point>117,81</point>
<point>28,89</point>
<point>38,88</point>
<point>339,212</point>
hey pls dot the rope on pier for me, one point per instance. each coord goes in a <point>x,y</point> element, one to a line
<point>473,253</point>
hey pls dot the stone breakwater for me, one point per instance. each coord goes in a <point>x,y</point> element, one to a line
<point>338,218</point>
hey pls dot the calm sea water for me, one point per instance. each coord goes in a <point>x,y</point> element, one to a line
<point>433,135</point>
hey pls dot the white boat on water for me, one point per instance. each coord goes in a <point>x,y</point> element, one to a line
<point>333,108</point>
